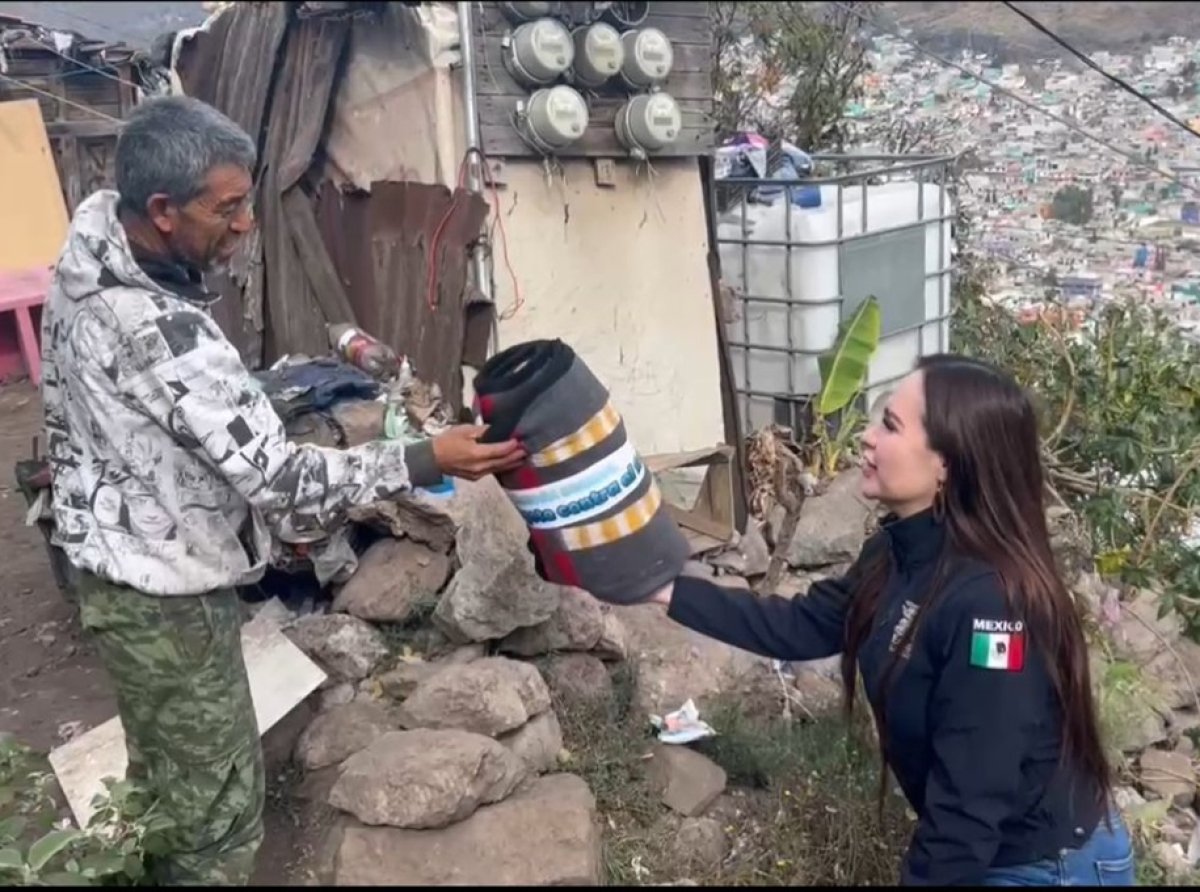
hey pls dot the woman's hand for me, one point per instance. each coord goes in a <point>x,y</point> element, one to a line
<point>459,453</point>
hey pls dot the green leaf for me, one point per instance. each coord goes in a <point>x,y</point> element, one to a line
<point>104,863</point>
<point>844,368</point>
<point>12,828</point>
<point>64,879</point>
<point>53,843</point>
<point>135,869</point>
<point>10,859</point>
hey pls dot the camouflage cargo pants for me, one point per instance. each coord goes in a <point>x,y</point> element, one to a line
<point>190,729</point>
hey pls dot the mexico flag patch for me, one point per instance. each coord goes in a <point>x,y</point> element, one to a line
<point>997,644</point>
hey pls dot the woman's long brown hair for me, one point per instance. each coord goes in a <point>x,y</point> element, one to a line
<point>984,427</point>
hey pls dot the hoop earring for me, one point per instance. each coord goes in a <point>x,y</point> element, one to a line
<point>939,503</point>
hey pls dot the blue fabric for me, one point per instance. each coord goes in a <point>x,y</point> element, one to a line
<point>1106,859</point>
<point>315,385</point>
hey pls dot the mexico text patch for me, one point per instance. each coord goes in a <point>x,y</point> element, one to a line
<point>998,644</point>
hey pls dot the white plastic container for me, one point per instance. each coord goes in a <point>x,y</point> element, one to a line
<point>816,284</point>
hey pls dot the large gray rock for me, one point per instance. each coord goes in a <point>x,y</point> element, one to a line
<point>339,733</point>
<point>818,693</point>
<point>688,781</point>
<point>673,663</point>
<point>496,591</point>
<point>576,625</point>
<point>488,696</point>
<point>1168,775</point>
<point>424,779</point>
<point>749,556</point>
<point>614,643</point>
<point>400,682</point>
<point>1140,633</point>
<point>832,527</point>
<point>1176,674</point>
<point>546,834</point>
<point>393,577</point>
<point>344,646</point>
<point>538,742</point>
<point>579,679</point>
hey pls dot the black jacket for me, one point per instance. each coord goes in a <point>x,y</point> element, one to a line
<point>975,749</point>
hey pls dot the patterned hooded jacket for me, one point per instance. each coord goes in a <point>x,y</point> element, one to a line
<point>170,466</point>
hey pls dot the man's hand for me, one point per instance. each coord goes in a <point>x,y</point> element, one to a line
<point>459,453</point>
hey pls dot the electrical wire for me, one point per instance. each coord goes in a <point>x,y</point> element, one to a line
<point>84,65</point>
<point>27,86</point>
<point>431,296</point>
<point>1131,157</point>
<point>1095,66</point>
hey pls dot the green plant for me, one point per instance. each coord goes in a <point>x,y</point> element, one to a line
<point>1073,204</point>
<point>787,70</point>
<point>1121,406</point>
<point>36,849</point>
<point>807,466</point>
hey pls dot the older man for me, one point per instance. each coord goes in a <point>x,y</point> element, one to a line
<point>170,469</point>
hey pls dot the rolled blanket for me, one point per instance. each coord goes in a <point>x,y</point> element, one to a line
<point>595,513</point>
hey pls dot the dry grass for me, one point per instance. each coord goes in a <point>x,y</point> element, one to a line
<point>802,808</point>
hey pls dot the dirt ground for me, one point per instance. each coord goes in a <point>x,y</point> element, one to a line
<point>52,685</point>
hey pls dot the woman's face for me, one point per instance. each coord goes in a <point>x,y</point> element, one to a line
<point>899,468</point>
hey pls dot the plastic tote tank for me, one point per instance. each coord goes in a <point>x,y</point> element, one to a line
<point>798,272</point>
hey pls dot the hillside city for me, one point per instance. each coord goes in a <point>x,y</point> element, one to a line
<point>1133,230</point>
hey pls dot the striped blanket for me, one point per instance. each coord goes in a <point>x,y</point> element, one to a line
<point>593,509</point>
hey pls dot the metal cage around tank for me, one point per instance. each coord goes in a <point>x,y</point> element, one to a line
<point>869,261</point>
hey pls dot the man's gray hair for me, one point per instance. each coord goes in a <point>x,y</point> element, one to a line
<point>170,144</point>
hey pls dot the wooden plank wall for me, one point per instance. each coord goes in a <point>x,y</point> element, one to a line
<point>83,139</point>
<point>685,24</point>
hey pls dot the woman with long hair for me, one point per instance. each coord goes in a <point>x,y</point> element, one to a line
<point>971,652</point>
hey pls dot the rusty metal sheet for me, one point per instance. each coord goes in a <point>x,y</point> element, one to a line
<point>380,244</point>
<point>295,318</point>
<point>230,65</point>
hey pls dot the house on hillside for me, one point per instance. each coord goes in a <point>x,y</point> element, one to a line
<point>362,112</point>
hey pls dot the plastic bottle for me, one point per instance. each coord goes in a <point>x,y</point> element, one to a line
<point>359,349</point>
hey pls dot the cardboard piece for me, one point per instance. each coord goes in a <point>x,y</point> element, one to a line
<point>33,221</point>
<point>709,523</point>
<point>281,677</point>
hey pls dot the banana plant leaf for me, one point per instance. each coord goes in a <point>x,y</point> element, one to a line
<point>844,368</point>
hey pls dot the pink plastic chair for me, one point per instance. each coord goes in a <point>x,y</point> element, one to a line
<point>20,291</point>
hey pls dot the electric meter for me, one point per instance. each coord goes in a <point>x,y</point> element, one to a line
<point>599,54</point>
<point>648,58</point>
<point>625,15</point>
<point>557,116</point>
<point>539,52</point>
<point>649,122</point>
<point>525,12</point>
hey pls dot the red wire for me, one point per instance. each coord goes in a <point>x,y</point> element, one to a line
<point>431,278</point>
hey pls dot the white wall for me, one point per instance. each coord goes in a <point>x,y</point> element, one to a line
<point>621,275</point>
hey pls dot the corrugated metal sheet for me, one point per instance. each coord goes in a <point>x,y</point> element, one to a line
<point>231,66</point>
<point>380,243</point>
<point>295,319</point>
<point>329,256</point>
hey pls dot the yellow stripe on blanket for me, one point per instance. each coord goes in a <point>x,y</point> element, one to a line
<point>616,527</point>
<point>596,430</point>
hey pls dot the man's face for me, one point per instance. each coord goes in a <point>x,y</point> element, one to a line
<point>205,232</point>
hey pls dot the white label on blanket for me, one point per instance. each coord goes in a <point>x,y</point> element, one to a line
<point>581,496</point>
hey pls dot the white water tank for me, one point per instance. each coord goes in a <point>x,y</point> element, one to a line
<point>904,262</point>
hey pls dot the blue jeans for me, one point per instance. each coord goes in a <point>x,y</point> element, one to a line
<point>1106,859</point>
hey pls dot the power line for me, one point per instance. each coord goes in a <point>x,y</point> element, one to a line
<point>1067,122</point>
<point>1095,66</point>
